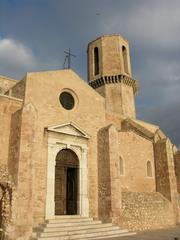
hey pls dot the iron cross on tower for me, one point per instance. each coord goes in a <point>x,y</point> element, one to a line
<point>67,60</point>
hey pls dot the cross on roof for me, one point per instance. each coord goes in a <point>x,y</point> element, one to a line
<point>67,60</point>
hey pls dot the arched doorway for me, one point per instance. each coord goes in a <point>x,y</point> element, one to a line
<point>66,182</point>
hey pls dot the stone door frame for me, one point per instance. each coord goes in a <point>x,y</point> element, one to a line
<point>67,136</point>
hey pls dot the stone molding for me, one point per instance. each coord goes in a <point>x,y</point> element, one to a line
<point>11,98</point>
<point>69,129</point>
<point>67,136</point>
<point>115,79</point>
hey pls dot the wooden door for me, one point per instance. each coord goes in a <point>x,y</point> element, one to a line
<point>60,190</point>
<point>71,197</point>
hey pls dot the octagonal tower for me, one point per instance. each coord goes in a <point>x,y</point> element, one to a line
<point>109,72</point>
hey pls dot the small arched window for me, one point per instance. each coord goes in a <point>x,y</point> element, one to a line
<point>96,61</point>
<point>121,165</point>
<point>149,169</point>
<point>125,62</point>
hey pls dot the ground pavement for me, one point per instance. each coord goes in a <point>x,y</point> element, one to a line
<point>161,234</point>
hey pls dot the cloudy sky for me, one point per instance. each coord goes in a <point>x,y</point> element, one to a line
<point>35,33</point>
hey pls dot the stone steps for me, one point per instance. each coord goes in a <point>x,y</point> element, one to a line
<point>77,227</point>
<point>73,220</point>
<point>65,224</point>
<point>79,231</point>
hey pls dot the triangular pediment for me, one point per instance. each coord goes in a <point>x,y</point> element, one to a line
<point>68,129</point>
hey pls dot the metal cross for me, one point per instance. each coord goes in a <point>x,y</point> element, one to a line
<point>67,60</point>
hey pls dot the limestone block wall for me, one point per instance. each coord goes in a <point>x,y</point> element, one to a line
<point>14,145</point>
<point>18,90</point>
<point>178,208</point>
<point>162,173</point>
<point>90,60</point>
<point>109,190</point>
<point>114,118</point>
<point>104,179</point>
<point>144,211</point>
<point>6,202</point>
<point>6,83</point>
<point>113,98</point>
<point>135,152</point>
<point>165,172</point>
<point>8,106</point>
<point>128,104</point>
<point>112,59</point>
<point>115,174</point>
<point>177,169</point>
<point>119,99</point>
<point>89,114</point>
<point>22,216</point>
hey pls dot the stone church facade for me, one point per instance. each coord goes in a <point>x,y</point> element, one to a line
<point>72,148</point>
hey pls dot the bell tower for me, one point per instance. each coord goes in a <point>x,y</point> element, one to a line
<point>109,72</point>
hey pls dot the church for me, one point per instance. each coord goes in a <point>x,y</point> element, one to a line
<point>73,151</point>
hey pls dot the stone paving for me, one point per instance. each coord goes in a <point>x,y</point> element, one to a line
<point>160,234</point>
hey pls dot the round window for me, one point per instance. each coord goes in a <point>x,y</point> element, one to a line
<point>66,100</point>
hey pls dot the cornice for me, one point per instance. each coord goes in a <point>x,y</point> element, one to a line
<point>114,79</point>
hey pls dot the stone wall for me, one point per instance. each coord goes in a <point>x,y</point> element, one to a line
<point>104,184</point>
<point>135,151</point>
<point>178,208</point>
<point>39,112</point>
<point>18,90</point>
<point>8,106</point>
<point>109,190</point>
<point>119,99</point>
<point>177,169</point>
<point>6,83</point>
<point>114,118</point>
<point>128,104</point>
<point>6,201</point>
<point>14,143</point>
<point>166,182</point>
<point>165,170</point>
<point>144,211</point>
<point>162,173</point>
<point>25,172</point>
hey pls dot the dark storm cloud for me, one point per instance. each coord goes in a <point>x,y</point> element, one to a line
<point>167,117</point>
<point>43,29</point>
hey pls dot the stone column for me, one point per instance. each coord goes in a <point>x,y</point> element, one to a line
<point>50,204</point>
<point>177,169</point>
<point>114,174</point>
<point>84,184</point>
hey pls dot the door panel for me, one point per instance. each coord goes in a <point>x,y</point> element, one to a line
<point>66,183</point>
<point>71,191</point>
<point>60,191</point>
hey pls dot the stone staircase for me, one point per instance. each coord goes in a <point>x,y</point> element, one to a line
<point>77,227</point>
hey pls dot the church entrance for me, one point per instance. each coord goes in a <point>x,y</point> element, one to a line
<point>66,182</point>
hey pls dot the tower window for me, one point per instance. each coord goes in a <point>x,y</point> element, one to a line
<point>96,61</point>
<point>125,62</point>
<point>149,169</point>
<point>121,165</point>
